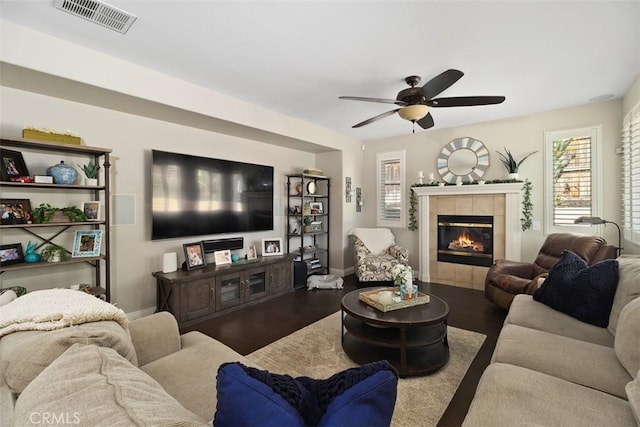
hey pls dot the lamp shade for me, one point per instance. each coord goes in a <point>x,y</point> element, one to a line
<point>413,112</point>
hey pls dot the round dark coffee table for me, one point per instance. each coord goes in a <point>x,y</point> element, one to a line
<point>412,339</point>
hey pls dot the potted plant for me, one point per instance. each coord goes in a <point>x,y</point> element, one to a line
<point>91,172</point>
<point>307,220</point>
<point>46,213</point>
<point>511,164</point>
<point>54,253</point>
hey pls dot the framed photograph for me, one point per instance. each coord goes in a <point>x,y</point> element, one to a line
<point>222,257</point>
<point>316,226</point>
<point>251,252</point>
<point>11,254</point>
<point>271,247</point>
<point>194,255</point>
<point>87,243</point>
<point>12,165</point>
<point>316,208</point>
<point>91,210</point>
<point>15,211</point>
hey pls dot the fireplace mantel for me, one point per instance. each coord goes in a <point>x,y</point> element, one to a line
<point>512,208</point>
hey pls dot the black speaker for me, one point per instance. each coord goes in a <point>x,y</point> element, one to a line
<point>299,274</point>
<point>211,246</point>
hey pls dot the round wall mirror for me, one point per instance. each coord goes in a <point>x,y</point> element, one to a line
<point>466,158</point>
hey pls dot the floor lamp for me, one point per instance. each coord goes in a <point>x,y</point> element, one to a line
<point>595,220</point>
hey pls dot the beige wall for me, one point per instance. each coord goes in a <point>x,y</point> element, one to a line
<point>131,138</point>
<point>520,135</point>
<point>48,82</point>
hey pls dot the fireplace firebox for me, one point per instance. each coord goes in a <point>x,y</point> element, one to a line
<point>465,239</point>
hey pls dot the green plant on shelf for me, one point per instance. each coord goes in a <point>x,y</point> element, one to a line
<point>54,253</point>
<point>90,170</point>
<point>45,213</point>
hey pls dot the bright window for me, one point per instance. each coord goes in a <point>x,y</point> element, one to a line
<point>631,175</point>
<point>572,184</point>
<point>391,189</point>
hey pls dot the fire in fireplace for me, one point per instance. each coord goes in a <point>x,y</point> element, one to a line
<point>465,239</point>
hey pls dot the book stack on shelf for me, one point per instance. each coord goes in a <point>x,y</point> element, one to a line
<point>313,263</point>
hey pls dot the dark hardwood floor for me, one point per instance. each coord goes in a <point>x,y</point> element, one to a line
<point>251,328</point>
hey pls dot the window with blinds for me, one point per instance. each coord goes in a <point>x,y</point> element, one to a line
<point>571,179</point>
<point>391,189</point>
<point>631,175</point>
<point>572,167</point>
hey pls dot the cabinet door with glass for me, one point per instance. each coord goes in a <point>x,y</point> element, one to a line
<point>255,283</point>
<point>229,290</point>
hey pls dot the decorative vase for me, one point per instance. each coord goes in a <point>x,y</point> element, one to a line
<point>32,258</point>
<point>62,174</point>
<point>513,175</point>
<point>91,182</point>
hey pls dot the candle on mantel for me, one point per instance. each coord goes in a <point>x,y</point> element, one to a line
<point>420,174</point>
<point>431,177</point>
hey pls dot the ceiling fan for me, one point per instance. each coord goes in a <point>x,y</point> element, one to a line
<point>414,102</point>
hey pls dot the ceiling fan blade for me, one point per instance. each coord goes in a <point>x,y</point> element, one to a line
<point>438,84</point>
<point>426,122</point>
<point>465,101</point>
<point>382,100</point>
<point>373,119</point>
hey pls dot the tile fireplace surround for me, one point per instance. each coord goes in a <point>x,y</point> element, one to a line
<point>502,201</point>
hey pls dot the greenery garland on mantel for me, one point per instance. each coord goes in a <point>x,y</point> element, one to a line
<point>527,205</point>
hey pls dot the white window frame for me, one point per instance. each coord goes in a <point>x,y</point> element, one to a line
<point>595,132</point>
<point>380,159</point>
<point>630,171</point>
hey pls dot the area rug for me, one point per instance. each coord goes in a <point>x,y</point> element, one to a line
<point>315,351</point>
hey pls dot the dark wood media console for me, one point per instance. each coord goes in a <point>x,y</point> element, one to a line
<point>197,295</point>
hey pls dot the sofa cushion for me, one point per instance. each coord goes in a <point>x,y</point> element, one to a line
<point>627,341</point>
<point>583,292</point>
<point>633,394</point>
<point>547,353</point>
<point>508,395</point>
<point>628,287</point>
<point>525,311</point>
<point>358,396</point>
<point>91,385</point>
<point>23,355</point>
<point>193,384</point>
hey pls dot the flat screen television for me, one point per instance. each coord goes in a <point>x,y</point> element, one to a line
<point>198,196</point>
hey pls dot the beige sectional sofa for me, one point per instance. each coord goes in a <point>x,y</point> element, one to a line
<point>551,369</point>
<point>149,375</point>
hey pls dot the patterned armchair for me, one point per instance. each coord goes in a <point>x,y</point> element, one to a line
<point>375,263</point>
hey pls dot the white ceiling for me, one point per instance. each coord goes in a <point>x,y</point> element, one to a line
<point>297,57</point>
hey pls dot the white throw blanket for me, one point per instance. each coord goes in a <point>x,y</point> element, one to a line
<point>377,240</point>
<point>56,309</point>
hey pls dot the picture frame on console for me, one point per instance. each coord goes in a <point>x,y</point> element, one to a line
<point>194,255</point>
<point>222,257</point>
<point>272,246</point>
<point>252,253</point>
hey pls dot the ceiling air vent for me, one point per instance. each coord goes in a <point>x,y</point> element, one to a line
<point>98,12</point>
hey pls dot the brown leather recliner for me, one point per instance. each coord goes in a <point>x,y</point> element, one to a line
<point>505,279</point>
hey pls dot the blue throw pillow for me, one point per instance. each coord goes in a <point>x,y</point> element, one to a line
<point>358,396</point>
<point>580,291</point>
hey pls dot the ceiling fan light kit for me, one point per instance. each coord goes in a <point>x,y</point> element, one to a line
<point>414,102</point>
<point>413,112</point>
